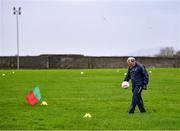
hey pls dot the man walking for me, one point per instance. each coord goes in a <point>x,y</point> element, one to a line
<point>139,78</point>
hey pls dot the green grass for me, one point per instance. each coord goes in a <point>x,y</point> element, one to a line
<point>70,95</point>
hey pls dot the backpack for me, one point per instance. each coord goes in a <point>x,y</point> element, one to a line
<point>146,77</point>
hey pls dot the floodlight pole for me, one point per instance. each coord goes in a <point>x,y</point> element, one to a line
<point>17,12</point>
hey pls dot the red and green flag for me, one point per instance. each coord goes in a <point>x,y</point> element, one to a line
<point>33,96</point>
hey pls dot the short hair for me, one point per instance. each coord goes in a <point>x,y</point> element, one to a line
<point>132,59</point>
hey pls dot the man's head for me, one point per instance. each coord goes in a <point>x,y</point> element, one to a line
<point>131,61</point>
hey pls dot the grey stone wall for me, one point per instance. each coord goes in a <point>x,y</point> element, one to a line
<point>68,61</point>
<point>29,62</point>
<point>80,61</point>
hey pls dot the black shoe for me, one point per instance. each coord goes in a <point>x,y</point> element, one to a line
<point>143,111</point>
<point>131,112</point>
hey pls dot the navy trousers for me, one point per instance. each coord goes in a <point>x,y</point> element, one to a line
<point>137,100</point>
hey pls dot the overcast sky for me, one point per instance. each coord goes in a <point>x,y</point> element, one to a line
<point>89,27</point>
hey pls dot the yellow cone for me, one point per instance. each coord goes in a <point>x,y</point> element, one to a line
<point>87,115</point>
<point>44,103</point>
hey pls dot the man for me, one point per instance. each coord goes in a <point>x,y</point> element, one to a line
<point>139,78</point>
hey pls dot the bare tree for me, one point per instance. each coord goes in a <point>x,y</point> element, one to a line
<point>166,52</point>
<point>178,53</point>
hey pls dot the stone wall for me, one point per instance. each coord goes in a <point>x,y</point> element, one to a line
<point>80,61</point>
<point>29,62</point>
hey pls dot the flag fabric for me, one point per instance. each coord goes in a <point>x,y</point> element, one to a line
<point>37,93</point>
<point>33,96</point>
<point>31,99</point>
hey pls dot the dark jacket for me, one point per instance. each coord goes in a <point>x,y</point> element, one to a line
<point>138,75</point>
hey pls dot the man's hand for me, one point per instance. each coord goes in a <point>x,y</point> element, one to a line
<point>145,87</point>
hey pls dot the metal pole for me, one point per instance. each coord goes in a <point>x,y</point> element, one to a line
<point>17,41</point>
<point>17,12</point>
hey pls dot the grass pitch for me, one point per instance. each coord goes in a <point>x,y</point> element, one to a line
<point>70,95</point>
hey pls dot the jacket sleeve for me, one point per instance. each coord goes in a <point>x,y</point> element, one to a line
<point>128,77</point>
